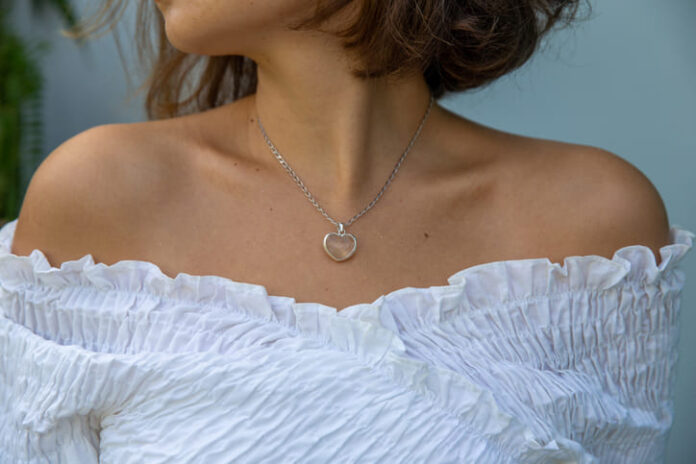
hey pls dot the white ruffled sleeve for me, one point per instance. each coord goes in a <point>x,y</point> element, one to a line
<point>53,395</point>
<point>584,352</point>
<point>46,409</point>
<point>53,391</point>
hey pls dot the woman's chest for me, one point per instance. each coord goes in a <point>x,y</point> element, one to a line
<point>276,240</point>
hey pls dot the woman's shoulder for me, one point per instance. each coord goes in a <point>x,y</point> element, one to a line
<point>106,189</point>
<point>575,198</point>
<point>94,181</point>
<point>601,198</point>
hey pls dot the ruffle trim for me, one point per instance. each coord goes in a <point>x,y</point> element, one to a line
<point>370,330</point>
<point>475,287</point>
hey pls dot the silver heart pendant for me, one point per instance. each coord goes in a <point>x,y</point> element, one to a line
<point>340,246</point>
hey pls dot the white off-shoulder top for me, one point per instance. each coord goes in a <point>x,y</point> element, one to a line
<point>517,361</point>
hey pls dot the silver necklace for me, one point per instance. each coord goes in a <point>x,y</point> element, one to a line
<point>341,245</point>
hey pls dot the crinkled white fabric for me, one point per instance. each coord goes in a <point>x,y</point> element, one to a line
<point>518,361</point>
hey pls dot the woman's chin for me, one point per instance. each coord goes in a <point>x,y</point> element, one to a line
<point>185,42</point>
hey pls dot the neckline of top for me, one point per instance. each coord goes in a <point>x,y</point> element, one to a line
<point>497,281</point>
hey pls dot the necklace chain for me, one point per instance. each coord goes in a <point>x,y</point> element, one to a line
<point>309,196</point>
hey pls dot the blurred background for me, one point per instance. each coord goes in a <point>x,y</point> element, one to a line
<point>624,80</point>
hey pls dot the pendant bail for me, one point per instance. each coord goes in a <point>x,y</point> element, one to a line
<point>341,229</point>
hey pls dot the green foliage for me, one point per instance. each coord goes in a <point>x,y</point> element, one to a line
<point>21,99</point>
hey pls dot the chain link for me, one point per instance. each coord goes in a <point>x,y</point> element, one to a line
<point>309,196</point>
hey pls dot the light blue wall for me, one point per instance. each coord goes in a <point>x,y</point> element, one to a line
<point>624,81</point>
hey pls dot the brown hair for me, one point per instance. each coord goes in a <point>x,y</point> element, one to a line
<point>456,44</point>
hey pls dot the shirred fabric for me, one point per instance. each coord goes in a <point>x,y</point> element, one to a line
<point>517,361</point>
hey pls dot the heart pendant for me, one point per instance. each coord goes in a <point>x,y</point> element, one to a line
<point>340,246</point>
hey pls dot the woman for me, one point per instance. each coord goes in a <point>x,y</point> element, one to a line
<point>166,297</point>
